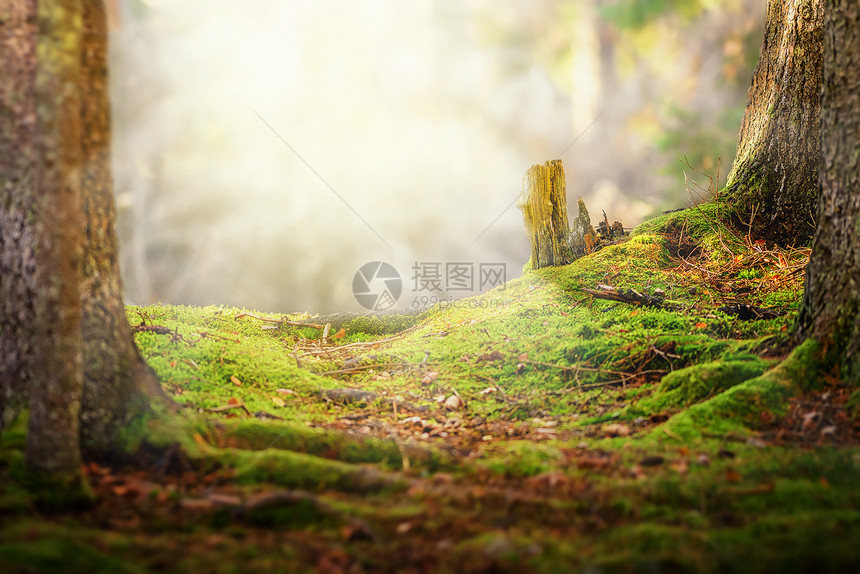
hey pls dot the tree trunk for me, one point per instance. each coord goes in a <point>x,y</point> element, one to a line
<point>18,34</point>
<point>830,311</point>
<point>57,380</point>
<point>773,185</point>
<point>117,383</point>
<point>544,206</point>
<point>63,145</point>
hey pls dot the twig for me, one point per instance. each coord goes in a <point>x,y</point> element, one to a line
<point>359,344</point>
<point>360,368</point>
<point>229,407</point>
<point>280,321</point>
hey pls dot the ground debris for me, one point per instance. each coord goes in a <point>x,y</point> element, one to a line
<point>630,296</point>
<point>817,418</point>
<point>746,312</point>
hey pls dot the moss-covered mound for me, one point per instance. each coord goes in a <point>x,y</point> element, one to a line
<point>541,426</point>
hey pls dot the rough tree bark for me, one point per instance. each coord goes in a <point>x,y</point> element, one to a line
<point>116,382</point>
<point>830,311</point>
<point>18,34</point>
<point>773,184</point>
<point>57,379</point>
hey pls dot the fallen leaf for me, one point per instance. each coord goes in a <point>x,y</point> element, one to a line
<point>523,357</point>
<point>233,401</point>
<point>429,378</point>
<point>235,380</point>
<point>172,364</point>
<point>732,475</point>
<point>701,325</point>
<point>489,390</point>
<point>453,402</point>
<point>809,419</point>
<point>278,402</point>
<point>616,429</point>
<point>340,334</point>
<point>199,440</point>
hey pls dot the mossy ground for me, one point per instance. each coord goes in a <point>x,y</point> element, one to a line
<point>583,434</point>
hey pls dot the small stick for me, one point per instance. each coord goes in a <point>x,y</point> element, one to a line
<point>282,321</point>
<point>361,368</point>
<point>229,407</point>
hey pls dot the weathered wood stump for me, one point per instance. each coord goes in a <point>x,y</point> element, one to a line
<point>583,238</point>
<point>544,206</point>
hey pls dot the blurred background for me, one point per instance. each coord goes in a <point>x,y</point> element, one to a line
<point>266,150</point>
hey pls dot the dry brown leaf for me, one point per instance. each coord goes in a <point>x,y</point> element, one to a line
<point>732,475</point>
<point>453,402</point>
<point>616,429</point>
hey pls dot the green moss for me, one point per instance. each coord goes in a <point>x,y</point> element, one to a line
<point>538,354</point>
<point>251,434</point>
<point>685,387</point>
<point>853,404</point>
<point>297,470</point>
<point>739,408</point>
<point>40,547</point>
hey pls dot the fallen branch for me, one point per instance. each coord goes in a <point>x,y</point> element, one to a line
<point>630,296</point>
<point>157,329</point>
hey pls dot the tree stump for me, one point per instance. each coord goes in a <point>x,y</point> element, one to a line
<point>544,206</point>
<point>583,238</point>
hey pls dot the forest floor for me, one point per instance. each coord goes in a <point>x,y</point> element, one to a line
<point>558,423</point>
